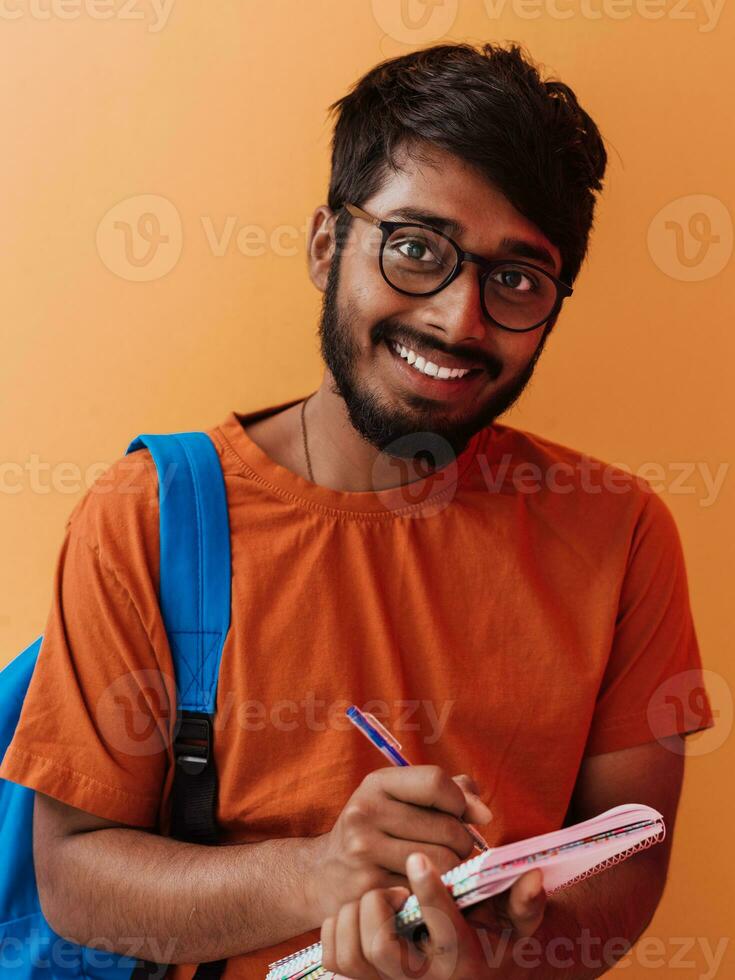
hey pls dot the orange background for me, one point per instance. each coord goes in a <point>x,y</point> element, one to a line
<point>220,110</point>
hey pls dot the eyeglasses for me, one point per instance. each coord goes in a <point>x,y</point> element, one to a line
<point>418,260</point>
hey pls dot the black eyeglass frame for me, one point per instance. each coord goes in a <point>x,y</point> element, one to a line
<point>563,289</point>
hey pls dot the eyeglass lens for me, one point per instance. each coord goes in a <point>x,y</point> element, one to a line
<point>417,261</point>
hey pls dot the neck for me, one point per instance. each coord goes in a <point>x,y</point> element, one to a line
<point>341,459</point>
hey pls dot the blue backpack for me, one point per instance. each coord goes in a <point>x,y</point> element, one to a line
<point>194,597</point>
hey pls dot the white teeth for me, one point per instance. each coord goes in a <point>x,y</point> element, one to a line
<point>427,367</point>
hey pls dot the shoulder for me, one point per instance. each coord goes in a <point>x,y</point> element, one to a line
<point>573,466</point>
<point>118,516</point>
<point>569,487</point>
<point>519,456</point>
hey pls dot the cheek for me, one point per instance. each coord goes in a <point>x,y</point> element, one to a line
<point>370,306</point>
<point>516,350</point>
<point>370,297</point>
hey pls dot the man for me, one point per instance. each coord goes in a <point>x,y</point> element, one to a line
<point>511,608</point>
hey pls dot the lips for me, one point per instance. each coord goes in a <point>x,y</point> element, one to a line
<point>431,386</point>
<point>439,364</point>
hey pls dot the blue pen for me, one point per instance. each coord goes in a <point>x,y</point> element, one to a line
<point>386,743</point>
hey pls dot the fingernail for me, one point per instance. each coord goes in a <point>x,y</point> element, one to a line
<point>399,891</point>
<point>417,864</point>
<point>537,891</point>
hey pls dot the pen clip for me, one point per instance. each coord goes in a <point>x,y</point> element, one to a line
<point>381,729</point>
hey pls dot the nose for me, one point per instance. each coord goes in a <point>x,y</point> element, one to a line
<point>456,310</point>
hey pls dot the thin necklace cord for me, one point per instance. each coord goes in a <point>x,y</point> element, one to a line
<point>306,445</point>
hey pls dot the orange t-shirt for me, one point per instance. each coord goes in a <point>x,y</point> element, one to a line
<point>521,609</point>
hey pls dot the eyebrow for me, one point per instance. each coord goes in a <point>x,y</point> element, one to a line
<point>510,246</point>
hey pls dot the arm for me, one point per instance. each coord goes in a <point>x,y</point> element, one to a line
<point>614,907</point>
<point>190,903</point>
<point>161,899</point>
<point>104,878</point>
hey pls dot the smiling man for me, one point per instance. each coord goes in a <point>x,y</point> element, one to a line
<point>517,612</point>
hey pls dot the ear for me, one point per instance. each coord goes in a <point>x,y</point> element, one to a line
<point>320,245</point>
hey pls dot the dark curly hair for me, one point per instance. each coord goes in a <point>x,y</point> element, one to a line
<point>490,107</point>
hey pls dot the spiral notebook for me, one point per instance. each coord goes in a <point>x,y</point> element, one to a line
<point>564,856</point>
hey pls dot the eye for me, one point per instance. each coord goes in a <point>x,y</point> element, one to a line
<point>516,279</point>
<point>416,249</point>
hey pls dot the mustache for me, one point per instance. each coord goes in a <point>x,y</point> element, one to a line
<point>408,337</point>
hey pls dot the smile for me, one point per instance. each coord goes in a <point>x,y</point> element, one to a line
<point>426,367</point>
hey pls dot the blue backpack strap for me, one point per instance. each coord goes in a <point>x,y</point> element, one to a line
<point>195,571</point>
<point>195,600</point>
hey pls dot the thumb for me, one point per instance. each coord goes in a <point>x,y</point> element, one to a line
<point>527,903</point>
<point>466,782</point>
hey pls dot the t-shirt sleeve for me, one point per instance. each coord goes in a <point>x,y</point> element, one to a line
<point>653,685</point>
<point>94,727</point>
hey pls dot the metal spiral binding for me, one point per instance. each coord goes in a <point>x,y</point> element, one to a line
<point>295,961</point>
<point>611,862</point>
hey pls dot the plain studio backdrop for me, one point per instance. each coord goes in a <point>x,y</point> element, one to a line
<point>161,161</point>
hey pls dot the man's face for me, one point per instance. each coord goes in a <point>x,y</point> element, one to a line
<point>387,399</point>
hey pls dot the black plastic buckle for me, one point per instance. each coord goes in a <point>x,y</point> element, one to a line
<point>192,757</point>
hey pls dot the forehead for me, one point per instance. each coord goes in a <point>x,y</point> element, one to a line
<point>441,183</point>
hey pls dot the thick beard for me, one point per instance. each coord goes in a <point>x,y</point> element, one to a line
<point>424,432</point>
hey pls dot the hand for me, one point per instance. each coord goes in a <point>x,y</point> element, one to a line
<point>393,812</point>
<point>361,943</point>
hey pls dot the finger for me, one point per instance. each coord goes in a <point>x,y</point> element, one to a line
<point>397,896</point>
<point>443,919</point>
<point>527,903</point>
<point>326,938</point>
<point>391,854</point>
<point>476,810</point>
<point>349,958</point>
<point>429,786</point>
<point>381,944</point>
<point>420,825</point>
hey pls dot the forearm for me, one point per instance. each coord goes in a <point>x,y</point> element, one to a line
<point>156,898</point>
<point>586,929</point>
